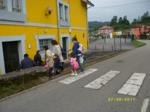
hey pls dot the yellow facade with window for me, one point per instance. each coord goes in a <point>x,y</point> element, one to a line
<point>28,25</point>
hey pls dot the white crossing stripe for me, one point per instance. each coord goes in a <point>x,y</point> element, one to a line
<point>132,86</point>
<point>72,79</point>
<point>101,81</point>
<point>145,105</point>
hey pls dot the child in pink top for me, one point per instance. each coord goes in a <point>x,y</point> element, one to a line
<point>74,64</point>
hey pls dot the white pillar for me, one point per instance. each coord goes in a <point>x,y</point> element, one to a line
<point>2,65</point>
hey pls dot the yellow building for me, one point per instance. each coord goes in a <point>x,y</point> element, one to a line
<point>28,25</point>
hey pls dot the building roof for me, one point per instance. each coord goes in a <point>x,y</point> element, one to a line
<point>105,27</point>
<point>140,25</point>
<point>88,2</point>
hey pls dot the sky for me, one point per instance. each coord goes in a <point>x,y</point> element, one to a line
<point>104,10</point>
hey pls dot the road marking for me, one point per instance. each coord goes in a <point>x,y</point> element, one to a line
<point>145,105</point>
<point>101,81</point>
<point>132,86</point>
<point>72,79</point>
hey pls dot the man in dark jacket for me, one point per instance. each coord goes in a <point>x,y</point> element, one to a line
<point>26,62</point>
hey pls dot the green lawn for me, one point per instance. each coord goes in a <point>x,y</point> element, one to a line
<point>138,43</point>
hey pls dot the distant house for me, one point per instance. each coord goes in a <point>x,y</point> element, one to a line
<point>105,31</point>
<point>138,29</point>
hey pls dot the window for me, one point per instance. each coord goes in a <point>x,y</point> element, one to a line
<point>2,4</point>
<point>61,11</point>
<point>42,44</point>
<point>16,5</point>
<point>63,14</point>
<point>45,42</point>
<point>15,10</point>
<point>66,13</point>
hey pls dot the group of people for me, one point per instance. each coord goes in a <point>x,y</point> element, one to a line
<point>54,62</point>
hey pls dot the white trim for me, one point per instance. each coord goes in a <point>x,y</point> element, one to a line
<point>68,41</point>
<point>28,24</point>
<point>79,28</point>
<point>20,38</point>
<point>24,7</point>
<point>60,22</point>
<point>39,25</point>
<point>9,5</point>
<point>9,15</point>
<point>2,66</point>
<point>40,37</point>
<point>74,28</point>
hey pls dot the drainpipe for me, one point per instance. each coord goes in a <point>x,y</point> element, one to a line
<point>57,11</point>
<point>87,25</point>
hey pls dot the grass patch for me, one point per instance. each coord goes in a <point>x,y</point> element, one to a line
<point>137,43</point>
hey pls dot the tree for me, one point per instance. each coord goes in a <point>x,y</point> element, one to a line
<point>135,21</point>
<point>120,21</point>
<point>145,15</point>
<point>126,21</point>
<point>114,20</point>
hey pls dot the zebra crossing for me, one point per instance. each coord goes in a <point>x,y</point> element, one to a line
<point>101,81</point>
<point>131,87</point>
<point>72,79</point>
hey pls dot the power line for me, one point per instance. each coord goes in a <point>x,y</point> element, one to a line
<point>125,4</point>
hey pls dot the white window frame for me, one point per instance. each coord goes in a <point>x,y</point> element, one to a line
<point>42,37</point>
<point>61,13</point>
<point>16,8</point>
<point>8,14</point>
<point>21,39</point>
<point>68,41</point>
<point>3,7</point>
<point>66,13</point>
<point>62,21</point>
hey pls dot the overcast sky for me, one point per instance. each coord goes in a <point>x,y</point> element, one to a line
<point>104,10</point>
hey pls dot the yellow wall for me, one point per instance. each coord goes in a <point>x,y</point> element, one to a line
<point>35,13</point>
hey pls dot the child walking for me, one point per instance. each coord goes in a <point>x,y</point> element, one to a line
<point>74,64</point>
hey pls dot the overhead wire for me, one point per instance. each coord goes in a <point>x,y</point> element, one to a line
<point>125,4</point>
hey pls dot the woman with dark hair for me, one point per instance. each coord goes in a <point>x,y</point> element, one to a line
<point>37,59</point>
<point>58,64</point>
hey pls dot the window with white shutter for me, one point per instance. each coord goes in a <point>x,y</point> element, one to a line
<point>2,4</point>
<point>13,10</point>
<point>16,5</point>
<point>63,9</point>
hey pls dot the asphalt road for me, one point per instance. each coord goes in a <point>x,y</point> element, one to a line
<point>76,94</point>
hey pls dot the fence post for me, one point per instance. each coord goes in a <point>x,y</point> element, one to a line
<point>120,43</point>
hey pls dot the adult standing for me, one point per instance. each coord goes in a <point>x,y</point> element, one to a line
<point>37,59</point>
<point>77,52</point>
<point>58,53</point>
<point>49,55</point>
